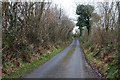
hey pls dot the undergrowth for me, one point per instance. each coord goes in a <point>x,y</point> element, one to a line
<point>103,58</point>
<point>27,67</point>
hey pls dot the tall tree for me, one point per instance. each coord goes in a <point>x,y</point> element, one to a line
<point>84,19</point>
<point>118,5</point>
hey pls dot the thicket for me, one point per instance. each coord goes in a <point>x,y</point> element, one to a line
<point>102,46</point>
<point>30,29</point>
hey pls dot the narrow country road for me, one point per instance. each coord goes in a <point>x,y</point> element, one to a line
<point>65,65</point>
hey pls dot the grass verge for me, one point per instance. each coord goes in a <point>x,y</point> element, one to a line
<point>25,68</point>
<point>102,58</point>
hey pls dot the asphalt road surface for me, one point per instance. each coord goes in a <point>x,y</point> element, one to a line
<point>65,65</point>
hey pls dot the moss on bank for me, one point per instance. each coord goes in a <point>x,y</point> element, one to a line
<point>27,67</point>
<point>103,58</point>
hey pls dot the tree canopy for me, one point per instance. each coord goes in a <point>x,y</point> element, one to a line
<point>84,18</point>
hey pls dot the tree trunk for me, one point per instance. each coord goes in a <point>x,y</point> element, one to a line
<point>118,39</point>
<point>80,31</point>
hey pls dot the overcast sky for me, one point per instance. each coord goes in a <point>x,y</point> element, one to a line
<point>69,6</point>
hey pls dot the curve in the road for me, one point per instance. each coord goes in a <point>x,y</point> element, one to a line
<point>64,65</point>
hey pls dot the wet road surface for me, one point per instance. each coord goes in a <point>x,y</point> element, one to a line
<point>65,65</point>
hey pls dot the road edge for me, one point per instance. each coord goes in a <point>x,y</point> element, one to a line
<point>88,62</point>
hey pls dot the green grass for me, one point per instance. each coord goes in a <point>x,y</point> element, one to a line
<point>94,60</point>
<point>25,68</point>
<point>72,49</point>
<point>108,70</point>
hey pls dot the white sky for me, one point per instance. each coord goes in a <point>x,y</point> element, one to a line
<point>69,6</point>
